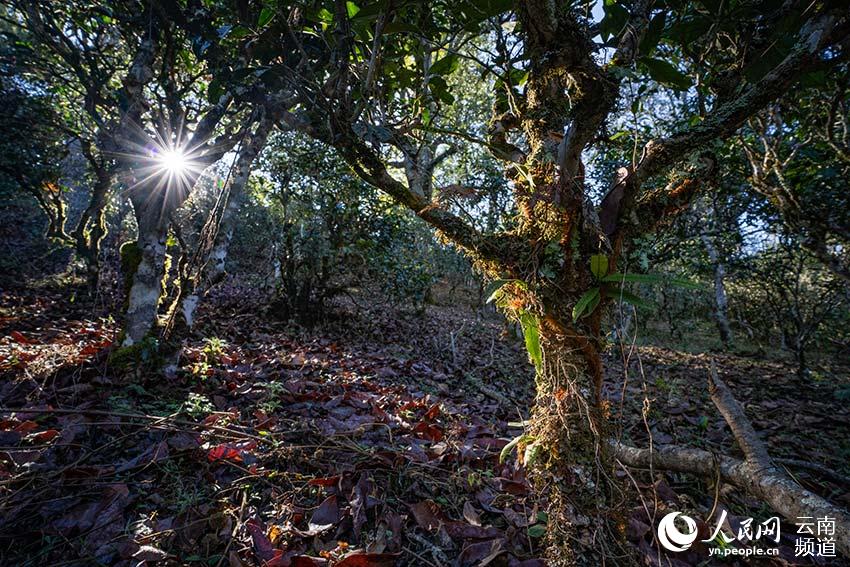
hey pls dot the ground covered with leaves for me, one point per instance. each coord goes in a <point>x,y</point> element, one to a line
<point>371,440</point>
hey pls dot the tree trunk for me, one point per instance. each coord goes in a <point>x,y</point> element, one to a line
<point>800,357</point>
<point>146,289</point>
<point>571,457</point>
<point>213,268</point>
<point>721,305</point>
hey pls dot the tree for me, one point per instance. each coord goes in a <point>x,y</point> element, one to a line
<point>40,135</point>
<point>155,133</point>
<point>552,96</point>
<point>795,294</point>
<point>799,155</point>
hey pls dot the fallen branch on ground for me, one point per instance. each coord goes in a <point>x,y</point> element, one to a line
<point>757,474</point>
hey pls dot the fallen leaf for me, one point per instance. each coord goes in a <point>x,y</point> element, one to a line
<point>21,339</point>
<point>363,559</point>
<point>470,515</point>
<point>325,516</point>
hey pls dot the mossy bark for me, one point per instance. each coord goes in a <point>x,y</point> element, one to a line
<point>573,468</point>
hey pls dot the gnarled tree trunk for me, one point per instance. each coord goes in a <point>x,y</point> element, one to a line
<point>573,468</point>
<point>146,290</point>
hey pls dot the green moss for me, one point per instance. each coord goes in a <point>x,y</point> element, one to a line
<point>145,353</point>
<point>131,257</point>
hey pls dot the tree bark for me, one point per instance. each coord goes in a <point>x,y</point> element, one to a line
<point>721,304</point>
<point>575,469</point>
<point>146,289</point>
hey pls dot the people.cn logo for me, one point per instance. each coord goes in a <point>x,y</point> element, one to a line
<point>669,535</point>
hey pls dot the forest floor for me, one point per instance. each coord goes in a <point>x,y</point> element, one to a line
<point>371,440</point>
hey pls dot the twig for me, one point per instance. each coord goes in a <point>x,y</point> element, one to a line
<point>235,529</point>
<point>436,552</point>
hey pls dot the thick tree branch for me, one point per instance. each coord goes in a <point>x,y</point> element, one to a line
<point>501,248</point>
<point>733,413</point>
<point>816,35</point>
<point>772,485</point>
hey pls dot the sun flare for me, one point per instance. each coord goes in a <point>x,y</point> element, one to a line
<point>173,161</point>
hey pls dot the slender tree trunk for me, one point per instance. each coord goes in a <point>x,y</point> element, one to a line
<point>800,357</point>
<point>721,305</point>
<point>146,289</point>
<point>213,269</point>
<point>91,228</point>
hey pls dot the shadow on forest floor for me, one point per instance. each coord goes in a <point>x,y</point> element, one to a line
<point>372,440</point>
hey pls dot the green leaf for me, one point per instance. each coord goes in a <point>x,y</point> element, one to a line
<point>651,279</point>
<point>633,278</point>
<point>214,91</point>
<point>352,9</point>
<point>506,450</point>
<point>480,10</point>
<point>665,73</point>
<point>537,531</point>
<point>684,283</point>
<point>446,66</point>
<point>586,303</point>
<point>530,331</point>
<point>325,16</point>
<point>628,297</point>
<point>599,265</point>
<point>266,15</point>
<point>653,34</point>
<point>494,289</point>
<point>615,19</point>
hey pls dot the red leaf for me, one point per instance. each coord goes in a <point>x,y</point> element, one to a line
<point>90,350</point>
<point>307,561</point>
<point>230,452</point>
<point>326,481</point>
<point>430,432</point>
<point>432,412</point>
<point>21,339</point>
<point>363,559</point>
<point>45,436</point>
<point>26,427</point>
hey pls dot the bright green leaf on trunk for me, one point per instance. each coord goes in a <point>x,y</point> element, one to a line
<point>599,265</point>
<point>507,449</point>
<point>530,331</point>
<point>586,303</point>
<point>352,9</point>
<point>628,297</point>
